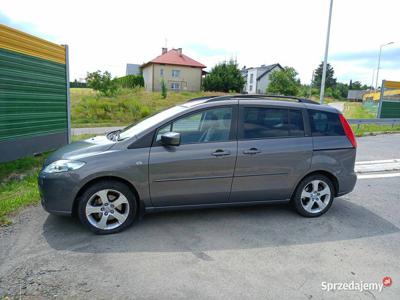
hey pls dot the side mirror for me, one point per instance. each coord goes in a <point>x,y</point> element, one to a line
<point>171,139</point>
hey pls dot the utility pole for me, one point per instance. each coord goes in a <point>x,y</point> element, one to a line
<point>322,92</point>
<point>379,63</point>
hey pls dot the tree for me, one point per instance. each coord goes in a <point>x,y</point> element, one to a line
<point>163,89</point>
<point>224,77</point>
<point>102,82</point>
<point>284,82</point>
<point>330,80</point>
<point>342,89</point>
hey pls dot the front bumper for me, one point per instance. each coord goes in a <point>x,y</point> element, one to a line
<point>57,192</point>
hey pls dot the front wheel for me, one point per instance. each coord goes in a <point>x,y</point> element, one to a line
<point>313,196</point>
<point>107,207</point>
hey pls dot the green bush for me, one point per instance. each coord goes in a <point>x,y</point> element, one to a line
<point>130,81</point>
<point>224,77</point>
<point>284,82</point>
<point>102,82</point>
<point>163,89</point>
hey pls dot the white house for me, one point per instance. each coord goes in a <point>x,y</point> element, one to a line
<point>257,79</point>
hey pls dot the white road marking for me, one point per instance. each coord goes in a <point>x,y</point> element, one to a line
<point>386,165</point>
<point>371,176</point>
<point>369,162</point>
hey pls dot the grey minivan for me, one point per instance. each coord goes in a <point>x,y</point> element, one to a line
<point>207,152</point>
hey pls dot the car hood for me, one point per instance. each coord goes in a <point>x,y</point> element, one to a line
<point>80,150</point>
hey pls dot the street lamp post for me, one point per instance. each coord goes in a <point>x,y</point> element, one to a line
<point>379,63</point>
<point>322,92</point>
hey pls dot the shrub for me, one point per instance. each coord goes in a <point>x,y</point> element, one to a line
<point>163,89</point>
<point>130,81</point>
<point>224,77</point>
<point>284,82</point>
<point>102,82</point>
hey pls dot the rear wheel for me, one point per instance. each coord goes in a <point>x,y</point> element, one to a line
<point>107,207</point>
<point>313,196</point>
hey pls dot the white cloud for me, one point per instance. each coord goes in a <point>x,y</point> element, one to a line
<point>108,34</point>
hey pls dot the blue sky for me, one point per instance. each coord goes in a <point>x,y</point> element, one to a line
<point>108,35</point>
<point>390,58</point>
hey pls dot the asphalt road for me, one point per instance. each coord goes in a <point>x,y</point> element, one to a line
<point>266,252</point>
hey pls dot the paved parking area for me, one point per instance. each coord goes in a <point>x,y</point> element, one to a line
<point>264,252</point>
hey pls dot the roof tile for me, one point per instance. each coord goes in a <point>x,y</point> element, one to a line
<point>172,57</point>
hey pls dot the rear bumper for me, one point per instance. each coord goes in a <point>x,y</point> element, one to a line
<point>57,193</point>
<point>346,184</point>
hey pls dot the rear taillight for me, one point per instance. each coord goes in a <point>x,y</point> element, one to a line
<point>348,131</point>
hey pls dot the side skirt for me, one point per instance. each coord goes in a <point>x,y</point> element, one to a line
<point>153,209</point>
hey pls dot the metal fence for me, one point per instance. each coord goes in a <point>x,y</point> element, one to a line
<point>359,122</point>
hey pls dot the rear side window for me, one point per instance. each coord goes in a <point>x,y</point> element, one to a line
<point>296,124</point>
<point>325,123</point>
<point>264,122</point>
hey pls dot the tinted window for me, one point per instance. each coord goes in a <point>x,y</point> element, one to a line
<point>260,122</point>
<point>212,125</point>
<point>296,124</point>
<point>325,123</point>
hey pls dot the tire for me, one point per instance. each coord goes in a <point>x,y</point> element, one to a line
<point>107,207</point>
<point>313,196</point>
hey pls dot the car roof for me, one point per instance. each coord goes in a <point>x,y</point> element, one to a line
<point>274,100</point>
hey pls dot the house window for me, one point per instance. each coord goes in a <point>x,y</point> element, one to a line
<point>251,78</point>
<point>161,72</point>
<point>175,86</point>
<point>176,73</point>
<point>250,88</point>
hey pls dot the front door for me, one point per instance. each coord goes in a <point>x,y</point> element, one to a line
<point>199,170</point>
<point>273,152</point>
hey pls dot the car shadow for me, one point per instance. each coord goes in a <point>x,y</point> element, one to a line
<point>221,229</point>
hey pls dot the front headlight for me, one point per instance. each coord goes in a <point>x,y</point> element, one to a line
<point>63,165</point>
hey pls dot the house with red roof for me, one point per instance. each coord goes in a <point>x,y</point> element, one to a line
<point>179,72</point>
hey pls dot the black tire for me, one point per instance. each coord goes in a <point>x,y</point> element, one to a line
<point>130,210</point>
<point>298,201</point>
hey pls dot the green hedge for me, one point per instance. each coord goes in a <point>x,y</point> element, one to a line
<point>130,81</point>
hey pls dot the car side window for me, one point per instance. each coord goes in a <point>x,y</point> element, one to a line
<point>264,122</point>
<point>324,123</point>
<point>211,125</point>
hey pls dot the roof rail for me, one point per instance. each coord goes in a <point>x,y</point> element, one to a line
<point>256,96</point>
<point>202,98</point>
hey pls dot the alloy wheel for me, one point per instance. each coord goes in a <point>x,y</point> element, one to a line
<point>315,196</point>
<point>107,209</point>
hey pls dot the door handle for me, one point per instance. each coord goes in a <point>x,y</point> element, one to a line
<point>251,151</point>
<point>221,152</point>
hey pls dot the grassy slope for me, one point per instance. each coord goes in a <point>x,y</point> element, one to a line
<point>90,110</point>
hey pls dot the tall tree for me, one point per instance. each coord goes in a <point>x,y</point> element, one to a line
<point>284,82</point>
<point>330,80</point>
<point>224,77</point>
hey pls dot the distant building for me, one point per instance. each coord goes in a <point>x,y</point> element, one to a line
<point>257,79</point>
<point>356,94</point>
<point>133,69</point>
<point>179,72</point>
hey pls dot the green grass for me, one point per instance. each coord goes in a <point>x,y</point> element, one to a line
<point>18,184</point>
<point>371,129</point>
<point>88,109</point>
<point>355,110</point>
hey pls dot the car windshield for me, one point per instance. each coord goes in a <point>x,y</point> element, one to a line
<point>135,129</point>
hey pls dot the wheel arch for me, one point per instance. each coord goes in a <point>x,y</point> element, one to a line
<point>104,178</point>
<point>328,174</point>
